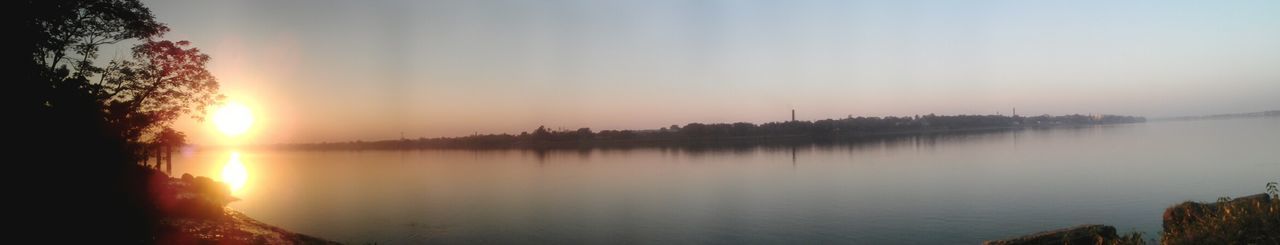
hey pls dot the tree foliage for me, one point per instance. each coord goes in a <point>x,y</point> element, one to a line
<point>130,98</point>
<point>75,30</point>
<point>163,81</point>
<point>88,118</point>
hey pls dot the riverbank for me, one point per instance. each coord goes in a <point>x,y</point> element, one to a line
<point>233,228</point>
<point>192,210</point>
<point>1253,219</point>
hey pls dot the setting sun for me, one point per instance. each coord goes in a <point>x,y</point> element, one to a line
<point>233,119</point>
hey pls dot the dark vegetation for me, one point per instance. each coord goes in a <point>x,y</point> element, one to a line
<point>1083,234</point>
<point>720,133</point>
<point>1245,220</point>
<point>91,122</point>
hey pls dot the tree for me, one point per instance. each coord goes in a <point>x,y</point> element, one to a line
<point>585,134</point>
<point>541,134</point>
<point>127,99</point>
<point>61,29</point>
<point>165,80</point>
<point>88,116</point>
<point>165,143</point>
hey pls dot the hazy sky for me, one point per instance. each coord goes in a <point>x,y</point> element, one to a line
<point>345,70</point>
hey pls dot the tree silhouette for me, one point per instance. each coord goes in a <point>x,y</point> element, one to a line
<point>88,119</point>
<point>165,79</point>
<point>129,98</point>
<point>73,31</point>
<point>165,143</point>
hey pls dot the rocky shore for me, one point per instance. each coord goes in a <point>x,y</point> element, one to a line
<point>232,228</point>
<point>192,210</point>
<point>1253,219</point>
<point>1082,234</point>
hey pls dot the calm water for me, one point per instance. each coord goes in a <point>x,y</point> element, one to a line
<point>927,189</point>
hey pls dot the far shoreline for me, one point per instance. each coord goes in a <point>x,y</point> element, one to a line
<point>784,140</point>
<point>715,142</point>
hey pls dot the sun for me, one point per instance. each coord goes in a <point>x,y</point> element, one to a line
<point>233,119</point>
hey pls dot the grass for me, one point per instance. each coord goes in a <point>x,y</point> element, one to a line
<point>1248,220</point>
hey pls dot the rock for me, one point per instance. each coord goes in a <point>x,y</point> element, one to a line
<point>196,197</point>
<point>1083,234</point>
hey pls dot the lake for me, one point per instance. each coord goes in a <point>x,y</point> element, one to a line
<point>933,189</point>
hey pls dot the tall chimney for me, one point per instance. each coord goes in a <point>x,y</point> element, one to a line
<point>793,115</point>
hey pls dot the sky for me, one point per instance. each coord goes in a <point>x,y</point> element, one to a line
<point>317,71</point>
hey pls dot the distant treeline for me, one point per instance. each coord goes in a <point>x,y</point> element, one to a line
<point>1224,116</point>
<point>700,133</point>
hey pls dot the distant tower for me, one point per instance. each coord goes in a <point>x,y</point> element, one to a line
<point>793,115</point>
<point>1015,111</point>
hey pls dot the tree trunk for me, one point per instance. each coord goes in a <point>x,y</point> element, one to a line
<point>168,160</point>
<point>158,157</point>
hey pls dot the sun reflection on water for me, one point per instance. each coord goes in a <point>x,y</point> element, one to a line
<point>234,173</point>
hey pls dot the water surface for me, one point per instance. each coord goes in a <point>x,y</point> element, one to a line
<point>937,189</point>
